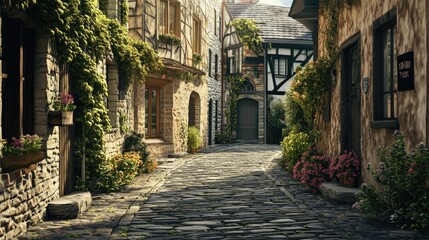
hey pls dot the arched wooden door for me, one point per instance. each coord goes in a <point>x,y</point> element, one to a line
<point>247,129</point>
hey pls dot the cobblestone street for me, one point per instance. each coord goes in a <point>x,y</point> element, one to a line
<point>228,192</point>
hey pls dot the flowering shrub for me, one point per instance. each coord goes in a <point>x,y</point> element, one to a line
<point>119,171</point>
<point>345,166</point>
<point>313,169</point>
<point>23,145</point>
<point>404,196</point>
<point>134,143</point>
<point>293,146</point>
<point>63,102</point>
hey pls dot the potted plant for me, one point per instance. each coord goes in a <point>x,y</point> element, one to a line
<point>345,168</point>
<point>194,139</point>
<point>21,152</point>
<point>169,39</point>
<point>63,105</point>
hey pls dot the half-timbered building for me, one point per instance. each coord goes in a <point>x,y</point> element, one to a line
<point>288,44</point>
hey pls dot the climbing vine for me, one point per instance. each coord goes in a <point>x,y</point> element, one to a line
<point>84,36</point>
<point>248,33</point>
<point>236,83</point>
<point>331,10</point>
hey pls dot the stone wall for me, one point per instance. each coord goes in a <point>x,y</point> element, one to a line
<point>258,95</point>
<point>412,105</point>
<point>24,193</point>
<point>214,82</point>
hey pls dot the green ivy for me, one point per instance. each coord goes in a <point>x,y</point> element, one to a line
<point>236,83</point>
<point>311,86</point>
<point>248,33</point>
<point>331,10</point>
<point>123,11</point>
<point>84,36</point>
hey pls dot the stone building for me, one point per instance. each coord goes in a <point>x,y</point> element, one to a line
<point>32,75</point>
<point>214,68</point>
<point>176,98</point>
<point>287,44</point>
<point>370,99</point>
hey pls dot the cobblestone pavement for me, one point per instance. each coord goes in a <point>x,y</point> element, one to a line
<point>229,192</point>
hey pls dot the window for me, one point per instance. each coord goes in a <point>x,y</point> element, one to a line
<point>210,62</point>
<point>232,61</point>
<point>281,66</point>
<point>385,71</point>
<point>216,66</point>
<point>196,35</point>
<point>247,86</point>
<point>220,28</point>
<point>169,18</point>
<point>17,79</point>
<point>152,112</point>
<point>215,23</point>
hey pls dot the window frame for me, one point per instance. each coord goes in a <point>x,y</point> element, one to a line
<point>210,63</point>
<point>380,27</point>
<point>196,34</point>
<point>148,111</point>
<point>166,14</point>
<point>287,66</point>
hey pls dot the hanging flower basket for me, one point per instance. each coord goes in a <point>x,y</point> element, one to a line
<point>10,164</point>
<point>60,118</point>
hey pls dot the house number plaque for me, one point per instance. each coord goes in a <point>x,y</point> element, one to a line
<point>406,71</point>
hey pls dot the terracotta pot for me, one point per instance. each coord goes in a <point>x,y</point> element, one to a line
<point>10,164</point>
<point>347,181</point>
<point>60,118</point>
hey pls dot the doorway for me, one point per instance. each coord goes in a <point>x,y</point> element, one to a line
<point>247,129</point>
<point>351,99</point>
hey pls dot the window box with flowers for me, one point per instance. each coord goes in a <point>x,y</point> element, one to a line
<point>21,152</point>
<point>63,106</point>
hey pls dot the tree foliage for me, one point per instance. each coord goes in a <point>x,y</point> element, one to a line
<point>248,33</point>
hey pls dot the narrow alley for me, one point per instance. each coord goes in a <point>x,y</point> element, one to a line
<point>229,192</point>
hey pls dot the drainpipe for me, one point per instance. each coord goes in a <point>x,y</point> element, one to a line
<point>222,90</point>
<point>265,93</point>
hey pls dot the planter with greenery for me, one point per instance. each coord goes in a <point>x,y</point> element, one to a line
<point>21,152</point>
<point>63,107</point>
<point>169,39</point>
<point>194,139</point>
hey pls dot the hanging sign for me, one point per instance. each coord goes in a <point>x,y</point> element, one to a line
<point>406,71</point>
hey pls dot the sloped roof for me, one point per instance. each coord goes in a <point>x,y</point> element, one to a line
<point>274,22</point>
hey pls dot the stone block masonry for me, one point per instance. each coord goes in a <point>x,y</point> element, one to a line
<point>24,195</point>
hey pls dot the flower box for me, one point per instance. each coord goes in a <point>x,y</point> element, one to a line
<point>60,118</point>
<point>10,164</point>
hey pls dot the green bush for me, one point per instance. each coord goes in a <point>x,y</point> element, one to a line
<point>222,138</point>
<point>276,121</point>
<point>404,196</point>
<point>194,139</point>
<point>293,146</point>
<point>133,142</point>
<point>118,171</point>
<point>294,116</point>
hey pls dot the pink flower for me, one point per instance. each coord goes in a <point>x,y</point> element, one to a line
<point>16,142</point>
<point>411,171</point>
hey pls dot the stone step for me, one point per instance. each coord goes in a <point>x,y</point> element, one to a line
<point>70,206</point>
<point>335,192</point>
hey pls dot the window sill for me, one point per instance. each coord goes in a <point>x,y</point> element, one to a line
<point>391,124</point>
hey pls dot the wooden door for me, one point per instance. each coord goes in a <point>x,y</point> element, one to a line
<point>351,99</point>
<point>67,166</point>
<point>247,129</point>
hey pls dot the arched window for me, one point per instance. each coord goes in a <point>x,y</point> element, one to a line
<point>247,86</point>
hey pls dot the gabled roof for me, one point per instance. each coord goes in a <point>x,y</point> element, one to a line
<point>274,21</point>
